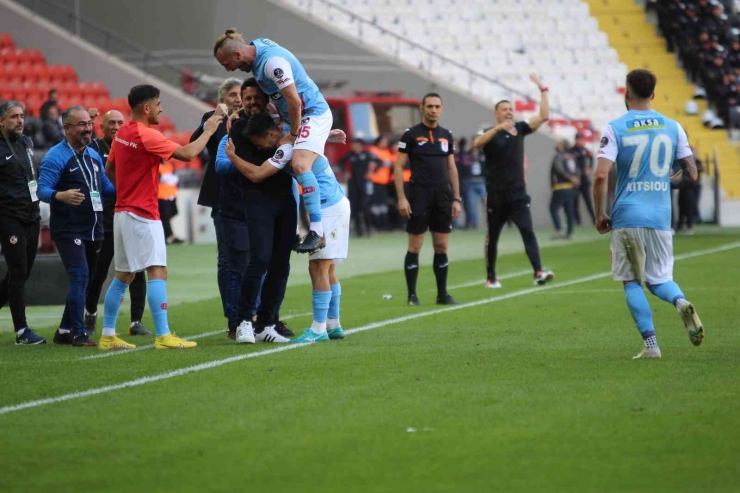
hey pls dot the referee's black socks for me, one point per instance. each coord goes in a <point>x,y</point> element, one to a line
<point>440,272</point>
<point>411,268</point>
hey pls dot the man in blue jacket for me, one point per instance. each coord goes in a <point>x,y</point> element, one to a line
<point>73,182</point>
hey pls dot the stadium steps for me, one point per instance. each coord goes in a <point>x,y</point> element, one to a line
<point>639,46</point>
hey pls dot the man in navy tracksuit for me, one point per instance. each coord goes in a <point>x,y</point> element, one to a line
<point>73,182</point>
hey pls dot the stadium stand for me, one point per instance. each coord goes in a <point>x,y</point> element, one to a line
<point>583,49</point>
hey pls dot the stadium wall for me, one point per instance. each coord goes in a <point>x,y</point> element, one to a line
<point>185,35</point>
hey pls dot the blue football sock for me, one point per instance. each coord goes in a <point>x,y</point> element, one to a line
<point>156,294</point>
<point>640,309</point>
<point>668,291</point>
<point>112,303</point>
<point>320,303</point>
<point>297,197</point>
<point>311,195</point>
<point>336,295</point>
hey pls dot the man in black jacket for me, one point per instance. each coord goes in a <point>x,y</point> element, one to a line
<point>112,121</point>
<point>564,183</point>
<point>585,163</point>
<point>229,94</point>
<point>20,220</point>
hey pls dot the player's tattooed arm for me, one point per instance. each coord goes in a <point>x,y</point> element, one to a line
<point>689,172</point>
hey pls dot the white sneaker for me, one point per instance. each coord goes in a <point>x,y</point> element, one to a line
<point>543,277</point>
<point>495,284</point>
<point>269,334</point>
<point>648,353</point>
<point>691,320</point>
<point>245,333</point>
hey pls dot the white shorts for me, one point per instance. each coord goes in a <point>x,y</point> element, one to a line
<point>335,220</point>
<point>138,243</point>
<point>316,130</point>
<point>642,254</point>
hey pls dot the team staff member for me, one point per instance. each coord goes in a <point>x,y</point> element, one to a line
<point>20,220</point>
<point>564,184</point>
<point>112,121</point>
<point>133,166</point>
<point>72,181</point>
<point>503,146</point>
<point>229,94</point>
<point>434,194</point>
<point>360,165</point>
<point>585,163</point>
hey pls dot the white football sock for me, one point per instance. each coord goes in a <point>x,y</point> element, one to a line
<point>108,332</point>
<point>318,327</point>
<point>332,323</point>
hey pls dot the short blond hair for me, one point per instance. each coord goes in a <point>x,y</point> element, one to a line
<point>229,34</point>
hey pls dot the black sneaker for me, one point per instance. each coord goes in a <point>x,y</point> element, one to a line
<point>83,340</point>
<point>446,300</point>
<point>63,339</point>
<point>311,243</point>
<point>91,320</point>
<point>137,329</point>
<point>231,334</point>
<point>413,300</point>
<point>29,338</point>
<point>283,329</point>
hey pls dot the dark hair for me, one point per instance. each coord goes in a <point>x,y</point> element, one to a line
<point>251,82</point>
<point>141,94</point>
<point>462,144</point>
<point>9,105</point>
<point>259,125</point>
<point>67,115</point>
<point>642,83</point>
<point>52,90</point>
<point>500,103</point>
<point>430,95</point>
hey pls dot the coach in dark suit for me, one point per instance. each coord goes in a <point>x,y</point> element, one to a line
<point>229,94</point>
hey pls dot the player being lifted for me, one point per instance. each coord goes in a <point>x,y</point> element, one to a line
<point>300,103</point>
<point>264,133</point>
<point>644,144</point>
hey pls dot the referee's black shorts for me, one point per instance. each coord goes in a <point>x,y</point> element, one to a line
<point>431,209</point>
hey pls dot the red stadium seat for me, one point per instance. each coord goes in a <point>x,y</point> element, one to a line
<point>69,73</point>
<point>56,73</point>
<point>37,57</point>
<point>40,73</point>
<point>6,41</point>
<point>7,55</point>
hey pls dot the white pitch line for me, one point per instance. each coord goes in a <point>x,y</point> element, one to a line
<point>189,338</point>
<point>511,275</point>
<point>267,352</point>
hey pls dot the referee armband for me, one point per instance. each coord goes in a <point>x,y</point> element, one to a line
<point>282,156</point>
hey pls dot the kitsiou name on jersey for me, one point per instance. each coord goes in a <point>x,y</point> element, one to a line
<point>648,186</point>
<point>645,124</point>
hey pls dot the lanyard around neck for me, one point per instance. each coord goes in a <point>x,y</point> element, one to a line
<point>92,184</point>
<point>28,159</point>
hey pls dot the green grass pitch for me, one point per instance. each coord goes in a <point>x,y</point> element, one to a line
<point>516,390</point>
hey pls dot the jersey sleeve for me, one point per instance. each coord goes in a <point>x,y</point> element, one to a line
<point>683,149</point>
<point>278,70</point>
<point>523,128</point>
<point>156,143</point>
<point>608,145</point>
<point>405,144</point>
<point>282,156</point>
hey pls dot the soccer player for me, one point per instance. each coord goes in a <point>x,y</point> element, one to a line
<point>133,167</point>
<point>433,194</point>
<point>300,103</point>
<point>644,144</point>
<point>327,290</point>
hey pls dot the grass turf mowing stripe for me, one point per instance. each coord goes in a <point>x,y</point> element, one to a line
<point>216,363</point>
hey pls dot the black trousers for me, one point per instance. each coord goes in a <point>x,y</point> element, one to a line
<point>688,206</point>
<point>563,199</point>
<point>584,192</point>
<point>137,287</point>
<point>503,206</point>
<point>19,241</point>
<point>223,275</point>
<point>272,225</point>
<point>167,210</point>
<point>359,199</point>
<point>80,259</point>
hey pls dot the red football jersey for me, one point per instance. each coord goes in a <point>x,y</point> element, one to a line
<point>136,152</point>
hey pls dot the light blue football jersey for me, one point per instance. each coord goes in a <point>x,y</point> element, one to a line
<point>329,188</point>
<point>644,146</point>
<point>272,76</point>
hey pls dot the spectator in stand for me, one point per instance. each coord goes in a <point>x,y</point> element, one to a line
<point>469,170</point>
<point>53,97</point>
<point>50,127</point>
<point>688,201</point>
<point>360,165</point>
<point>168,181</point>
<point>585,164</point>
<point>565,186</point>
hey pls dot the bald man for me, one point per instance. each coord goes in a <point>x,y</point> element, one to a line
<point>112,121</point>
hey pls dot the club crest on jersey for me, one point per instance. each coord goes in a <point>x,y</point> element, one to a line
<point>604,142</point>
<point>444,145</point>
<point>279,154</point>
<point>13,240</point>
<point>278,73</point>
<point>645,124</point>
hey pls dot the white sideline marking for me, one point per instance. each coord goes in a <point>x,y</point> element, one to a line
<point>108,354</point>
<point>267,352</point>
<point>511,275</point>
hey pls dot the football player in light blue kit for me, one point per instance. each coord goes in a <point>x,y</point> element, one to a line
<point>300,103</point>
<point>264,133</point>
<point>644,144</point>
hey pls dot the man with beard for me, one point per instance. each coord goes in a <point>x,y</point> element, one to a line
<point>20,220</point>
<point>72,181</point>
<point>112,121</point>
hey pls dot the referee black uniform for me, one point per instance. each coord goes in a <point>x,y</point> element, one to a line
<point>20,220</point>
<point>430,152</point>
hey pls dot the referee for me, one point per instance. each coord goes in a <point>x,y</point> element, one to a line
<point>434,194</point>
<point>503,146</point>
